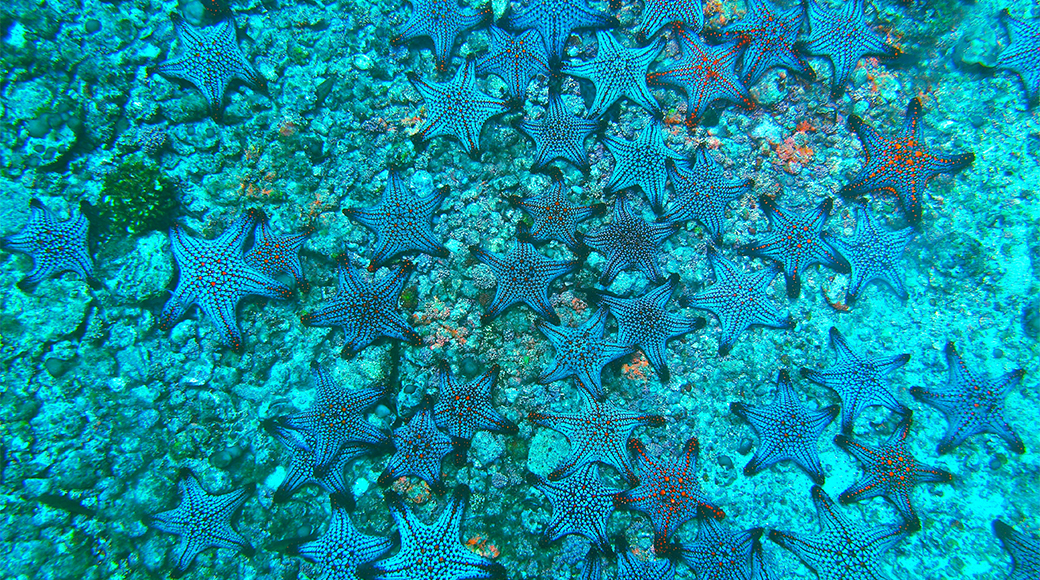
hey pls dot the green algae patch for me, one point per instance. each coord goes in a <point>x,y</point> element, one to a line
<point>137,198</point>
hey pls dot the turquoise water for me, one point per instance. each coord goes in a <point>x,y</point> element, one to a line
<point>105,401</point>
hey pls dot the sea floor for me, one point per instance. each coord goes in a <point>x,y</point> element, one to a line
<point>100,408</point>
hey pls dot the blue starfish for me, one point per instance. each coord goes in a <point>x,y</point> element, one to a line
<point>365,311</point>
<point>794,241</point>
<point>210,60</point>
<point>641,163</point>
<point>873,254</point>
<point>841,550</point>
<point>617,72</point>
<point>598,433</point>
<point>634,567</point>
<point>202,520</point>
<point>434,550</point>
<point>303,466</point>
<point>769,36</point>
<point>442,21</point>
<point>555,217</point>
<point>844,37</point>
<point>559,134</point>
<point>556,19</point>
<point>1024,551</point>
<point>972,402</point>
<point>515,58</point>
<point>1023,54</point>
<point>462,409</point>
<point>787,430</point>
<point>581,352</point>
<point>902,165</point>
<point>55,246</point>
<point>739,300</point>
<point>342,548</point>
<point>215,275</point>
<point>721,554</point>
<point>860,382</point>
<point>702,192</point>
<point>659,13</point>
<point>457,108</point>
<point>272,255</point>
<point>524,276</point>
<point>890,471</point>
<point>336,419</point>
<point>668,492</point>
<point>581,505</point>
<point>627,240</point>
<point>420,448</point>
<point>705,73</point>
<point>401,221</point>
<point>644,322</point>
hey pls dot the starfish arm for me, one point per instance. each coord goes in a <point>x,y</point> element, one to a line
<point>371,217</point>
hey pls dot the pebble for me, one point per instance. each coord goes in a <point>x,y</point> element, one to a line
<point>362,62</point>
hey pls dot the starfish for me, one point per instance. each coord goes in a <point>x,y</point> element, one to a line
<point>272,255</point>
<point>1024,551</point>
<point>365,311</point>
<point>434,550</point>
<point>442,21</point>
<point>401,222</point>
<point>794,241</point>
<point>873,254</point>
<point>420,448</point>
<point>641,567</point>
<point>581,505</point>
<point>617,72</point>
<point>336,419</point>
<point>659,13</point>
<point>972,403</point>
<point>559,134</point>
<point>462,409</point>
<point>581,352</point>
<point>901,165</point>
<point>702,193</point>
<point>202,520</point>
<point>705,73</point>
<point>769,36</point>
<point>841,550</point>
<point>890,471</point>
<point>211,60</point>
<point>738,300</point>
<point>668,492</point>
<point>556,19</point>
<point>598,433</point>
<point>215,275</point>
<point>342,548</point>
<point>787,429</point>
<point>1023,54</point>
<point>844,37</point>
<point>629,240</point>
<point>55,246</point>
<point>515,58</point>
<point>555,217</point>
<point>860,382</point>
<point>457,108</point>
<point>641,163</point>
<point>524,276</point>
<point>721,554</point>
<point>645,323</point>
<point>303,466</point>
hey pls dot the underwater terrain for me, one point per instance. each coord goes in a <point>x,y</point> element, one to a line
<point>545,289</point>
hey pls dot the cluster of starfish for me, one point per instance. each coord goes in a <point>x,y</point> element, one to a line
<point>250,259</point>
